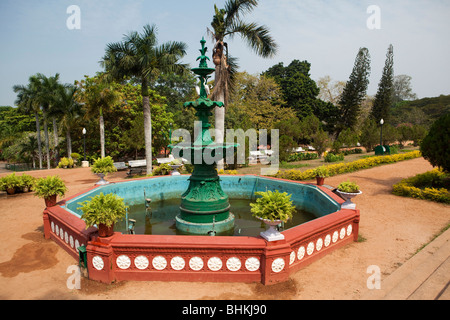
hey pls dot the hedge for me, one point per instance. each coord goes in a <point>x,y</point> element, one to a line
<point>425,186</point>
<point>342,168</point>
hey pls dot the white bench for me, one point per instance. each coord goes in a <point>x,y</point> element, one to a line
<point>120,165</point>
<point>137,166</point>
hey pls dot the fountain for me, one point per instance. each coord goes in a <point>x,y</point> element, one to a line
<point>206,242</point>
<point>204,206</point>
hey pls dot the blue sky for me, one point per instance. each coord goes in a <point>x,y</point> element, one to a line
<point>328,33</point>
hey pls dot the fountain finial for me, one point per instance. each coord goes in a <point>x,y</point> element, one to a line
<point>203,71</point>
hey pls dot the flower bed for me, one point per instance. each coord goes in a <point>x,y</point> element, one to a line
<point>341,168</point>
<point>426,186</point>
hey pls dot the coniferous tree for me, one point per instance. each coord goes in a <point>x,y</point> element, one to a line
<point>354,92</point>
<point>385,95</point>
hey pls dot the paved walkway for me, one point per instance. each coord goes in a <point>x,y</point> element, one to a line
<point>426,276</point>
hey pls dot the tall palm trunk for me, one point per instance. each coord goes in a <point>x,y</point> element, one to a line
<point>147,126</point>
<point>102,134</point>
<point>220,92</point>
<point>47,143</point>
<point>69,143</point>
<point>55,136</point>
<point>38,132</point>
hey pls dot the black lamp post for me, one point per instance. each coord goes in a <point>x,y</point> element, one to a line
<point>381,135</point>
<point>84,142</point>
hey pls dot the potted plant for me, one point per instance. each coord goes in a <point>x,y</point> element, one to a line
<point>27,182</point>
<point>163,170</point>
<point>103,211</point>
<point>348,190</point>
<point>64,163</point>
<point>102,167</point>
<point>10,183</point>
<point>273,208</point>
<point>175,165</point>
<point>321,173</point>
<point>49,188</point>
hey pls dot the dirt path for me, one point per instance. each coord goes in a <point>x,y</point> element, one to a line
<point>394,229</point>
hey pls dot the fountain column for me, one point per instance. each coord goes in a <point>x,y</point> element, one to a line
<point>204,205</point>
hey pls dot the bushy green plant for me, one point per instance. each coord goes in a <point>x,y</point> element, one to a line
<point>75,156</point>
<point>50,186</point>
<point>302,157</point>
<point>103,209</point>
<point>64,162</point>
<point>27,181</point>
<point>322,172</point>
<point>340,168</point>
<point>435,146</point>
<point>331,157</point>
<point>273,206</point>
<point>163,170</point>
<point>105,165</point>
<point>10,181</point>
<point>348,187</point>
<point>433,185</point>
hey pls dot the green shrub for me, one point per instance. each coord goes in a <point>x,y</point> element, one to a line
<point>348,187</point>
<point>75,156</point>
<point>322,172</point>
<point>433,185</point>
<point>64,162</point>
<point>103,209</point>
<point>340,168</point>
<point>10,181</point>
<point>49,186</point>
<point>105,166</point>
<point>163,170</point>
<point>27,181</point>
<point>273,206</point>
<point>331,157</point>
<point>302,157</point>
<point>435,146</point>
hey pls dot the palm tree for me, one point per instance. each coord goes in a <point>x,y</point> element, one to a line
<point>226,24</point>
<point>47,88</point>
<point>28,149</point>
<point>68,110</point>
<point>98,97</point>
<point>28,103</point>
<point>138,56</point>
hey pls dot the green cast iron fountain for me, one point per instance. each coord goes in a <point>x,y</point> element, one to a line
<point>205,208</point>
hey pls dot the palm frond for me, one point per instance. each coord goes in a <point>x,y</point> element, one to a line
<point>235,8</point>
<point>257,37</point>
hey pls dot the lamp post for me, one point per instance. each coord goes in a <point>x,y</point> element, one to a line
<point>85,164</point>
<point>84,142</point>
<point>381,134</point>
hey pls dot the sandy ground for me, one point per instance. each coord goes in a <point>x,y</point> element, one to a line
<point>394,229</point>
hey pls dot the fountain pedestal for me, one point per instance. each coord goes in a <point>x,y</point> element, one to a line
<point>204,205</point>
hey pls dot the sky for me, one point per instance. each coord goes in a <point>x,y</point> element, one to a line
<point>34,37</point>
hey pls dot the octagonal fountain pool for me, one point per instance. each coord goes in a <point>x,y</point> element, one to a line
<point>158,251</point>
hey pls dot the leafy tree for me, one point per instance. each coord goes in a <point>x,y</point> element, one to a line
<point>69,110</point>
<point>98,97</point>
<point>402,88</point>
<point>370,134</point>
<point>299,90</point>
<point>384,97</point>
<point>259,100</point>
<point>354,92</point>
<point>435,146</point>
<point>46,90</point>
<point>226,24</point>
<point>320,141</point>
<point>27,101</point>
<point>139,57</point>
